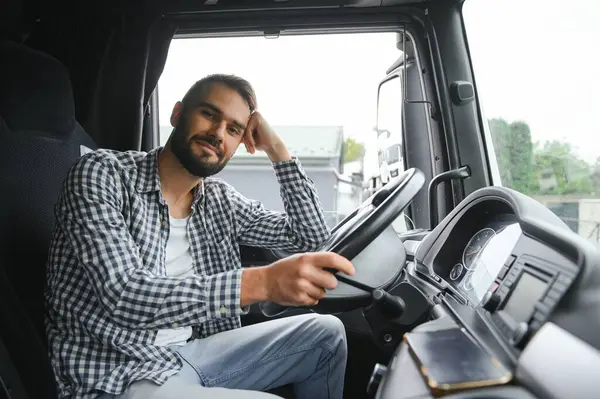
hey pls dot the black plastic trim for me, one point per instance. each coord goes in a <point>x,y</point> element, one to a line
<point>389,202</point>
<point>285,22</point>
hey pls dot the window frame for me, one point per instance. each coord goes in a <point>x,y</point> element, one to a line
<point>430,155</point>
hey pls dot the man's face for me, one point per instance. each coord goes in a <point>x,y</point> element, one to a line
<point>209,130</point>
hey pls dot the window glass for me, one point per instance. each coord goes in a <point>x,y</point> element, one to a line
<point>319,92</point>
<point>389,128</point>
<point>393,153</point>
<point>537,69</point>
<point>389,137</point>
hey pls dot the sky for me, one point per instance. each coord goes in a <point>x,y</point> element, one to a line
<point>539,61</point>
<point>535,61</point>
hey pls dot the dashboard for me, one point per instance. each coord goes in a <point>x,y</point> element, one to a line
<point>482,260</point>
<point>510,273</point>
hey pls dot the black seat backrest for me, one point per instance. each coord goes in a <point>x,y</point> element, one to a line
<point>39,142</point>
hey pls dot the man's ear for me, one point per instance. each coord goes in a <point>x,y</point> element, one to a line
<point>176,113</point>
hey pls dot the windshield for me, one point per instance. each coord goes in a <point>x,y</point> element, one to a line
<point>536,70</point>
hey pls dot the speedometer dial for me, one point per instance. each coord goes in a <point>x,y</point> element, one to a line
<point>475,245</point>
<point>456,272</point>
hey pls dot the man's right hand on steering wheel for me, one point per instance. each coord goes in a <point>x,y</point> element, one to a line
<point>298,280</point>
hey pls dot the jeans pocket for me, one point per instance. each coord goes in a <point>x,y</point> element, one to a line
<point>190,372</point>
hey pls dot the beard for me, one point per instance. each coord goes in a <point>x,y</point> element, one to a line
<point>197,165</point>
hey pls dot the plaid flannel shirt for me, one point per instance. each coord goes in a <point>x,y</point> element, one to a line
<point>108,293</point>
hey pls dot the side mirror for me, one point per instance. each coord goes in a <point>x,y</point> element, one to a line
<point>387,133</point>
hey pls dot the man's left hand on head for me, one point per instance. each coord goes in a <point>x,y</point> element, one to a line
<point>259,135</point>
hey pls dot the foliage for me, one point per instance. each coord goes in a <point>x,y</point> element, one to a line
<point>595,176</point>
<point>501,140</point>
<point>514,151</point>
<point>551,167</point>
<point>353,150</point>
<point>571,173</point>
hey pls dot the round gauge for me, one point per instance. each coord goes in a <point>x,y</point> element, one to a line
<point>475,245</point>
<point>456,271</point>
<point>467,282</point>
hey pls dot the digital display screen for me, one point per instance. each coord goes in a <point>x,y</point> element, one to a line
<point>527,292</point>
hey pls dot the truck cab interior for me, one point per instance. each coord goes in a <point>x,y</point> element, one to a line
<point>480,261</point>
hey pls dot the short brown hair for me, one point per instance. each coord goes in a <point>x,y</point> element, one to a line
<point>242,86</point>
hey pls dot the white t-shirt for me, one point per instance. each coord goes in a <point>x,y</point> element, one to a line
<point>178,264</point>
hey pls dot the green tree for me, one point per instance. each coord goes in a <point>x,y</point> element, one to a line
<point>353,150</point>
<point>514,152</point>
<point>595,177</point>
<point>551,167</point>
<point>557,160</point>
<point>521,157</point>
<point>501,139</point>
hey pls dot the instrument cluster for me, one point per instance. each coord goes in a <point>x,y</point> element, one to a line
<point>482,259</point>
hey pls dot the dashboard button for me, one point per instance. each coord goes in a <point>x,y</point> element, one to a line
<point>502,272</point>
<point>490,301</point>
<point>509,262</point>
<point>379,371</point>
<point>509,282</point>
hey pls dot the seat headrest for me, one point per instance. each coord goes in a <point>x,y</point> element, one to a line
<point>13,23</point>
<point>35,91</point>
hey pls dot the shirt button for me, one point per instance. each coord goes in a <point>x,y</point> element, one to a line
<point>165,224</point>
<point>223,309</point>
<point>175,325</point>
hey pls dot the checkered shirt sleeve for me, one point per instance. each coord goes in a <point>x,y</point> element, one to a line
<point>300,228</point>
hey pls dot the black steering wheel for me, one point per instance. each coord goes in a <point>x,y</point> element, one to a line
<point>365,238</point>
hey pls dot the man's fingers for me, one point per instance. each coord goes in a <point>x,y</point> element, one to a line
<point>332,260</point>
<point>248,142</point>
<point>313,291</point>
<point>309,301</point>
<point>319,277</point>
<point>249,134</point>
<point>251,141</point>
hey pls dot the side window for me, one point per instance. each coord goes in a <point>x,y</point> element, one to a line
<point>389,129</point>
<point>306,98</point>
<point>389,136</point>
<point>538,83</point>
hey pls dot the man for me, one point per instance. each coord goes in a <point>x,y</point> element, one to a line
<point>145,258</point>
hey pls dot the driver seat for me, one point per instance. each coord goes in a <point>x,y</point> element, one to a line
<point>39,142</point>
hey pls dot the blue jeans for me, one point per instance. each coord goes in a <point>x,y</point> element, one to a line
<point>308,351</point>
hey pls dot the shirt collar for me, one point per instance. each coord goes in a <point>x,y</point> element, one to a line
<point>148,179</point>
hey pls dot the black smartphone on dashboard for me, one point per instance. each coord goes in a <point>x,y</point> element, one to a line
<point>450,360</point>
